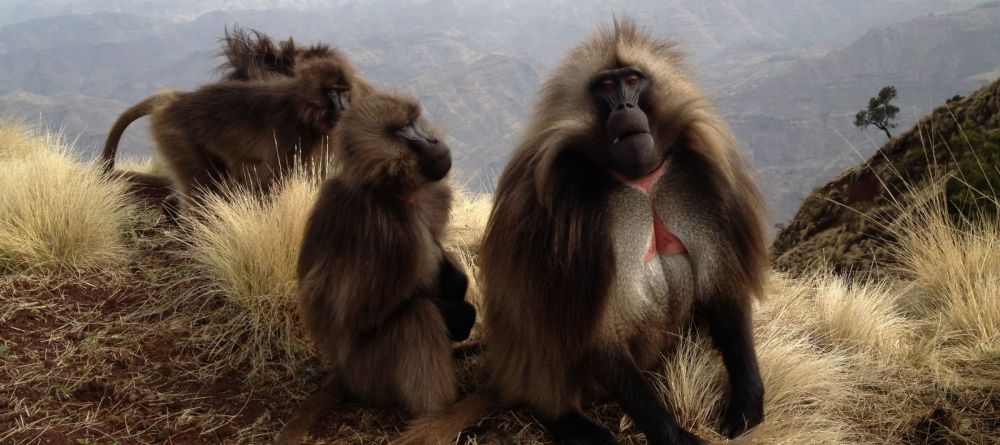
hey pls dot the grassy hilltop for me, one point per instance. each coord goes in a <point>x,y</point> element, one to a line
<point>117,327</point>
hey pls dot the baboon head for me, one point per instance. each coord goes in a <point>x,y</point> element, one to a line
<point>325,88</point>
<point>383,140</point>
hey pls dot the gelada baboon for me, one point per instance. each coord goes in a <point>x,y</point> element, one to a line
<point>625,215</point>
<point>249,56</point>
<point>380,297</point>
<point>242,132</point>
<point>252,55</point>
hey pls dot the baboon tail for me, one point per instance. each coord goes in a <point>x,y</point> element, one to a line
<point>130,115</point>
<point>445,427</point>
<point>312,408</point>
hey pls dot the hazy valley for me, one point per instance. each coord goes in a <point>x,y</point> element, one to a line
<point>788,75</point>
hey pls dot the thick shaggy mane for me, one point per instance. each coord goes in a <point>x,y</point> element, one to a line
<point>566,120</point>
<point>252,55</point>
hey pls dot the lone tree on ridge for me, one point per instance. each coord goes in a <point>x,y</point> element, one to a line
<point>880,113</point>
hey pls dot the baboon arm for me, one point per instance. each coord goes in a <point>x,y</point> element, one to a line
<point>373,299</point>
<point>453,280</point>
<point>459,317</point>
<point>621,377</point>
<point>365,275</point>
<point>732,334</point>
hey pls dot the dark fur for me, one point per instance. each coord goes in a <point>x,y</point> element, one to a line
<point>557,336</point>
<point>247,133</point>
<point>379,296</point>
<point>252,55</point>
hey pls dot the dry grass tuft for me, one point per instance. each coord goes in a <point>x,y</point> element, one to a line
<point>861,315</point>
<point>57,214</point>
<point>464,234</point>
<point>21,141</point>
<point>243,253</point>
<point>955,271</point>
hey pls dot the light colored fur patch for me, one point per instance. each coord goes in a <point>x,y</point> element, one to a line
<point>643,292</point>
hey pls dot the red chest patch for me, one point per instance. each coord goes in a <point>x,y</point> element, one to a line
<point>661,241</point>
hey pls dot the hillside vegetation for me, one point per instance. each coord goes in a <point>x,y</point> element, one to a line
<point>849,223</point>
<point>117,327</point>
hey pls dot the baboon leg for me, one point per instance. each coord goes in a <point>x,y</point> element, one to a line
<point>408,362</point>
<point>195,172</point>
<point>574,428</point>
<point>621,377</point>
<point>732,334</point>
<point>425,375</point>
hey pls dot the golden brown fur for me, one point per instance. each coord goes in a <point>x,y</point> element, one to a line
<point>564,320</point>
<point>242,132</point>
<point>375,288</point>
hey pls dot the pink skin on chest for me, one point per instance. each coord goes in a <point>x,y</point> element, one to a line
<point>661,242</point>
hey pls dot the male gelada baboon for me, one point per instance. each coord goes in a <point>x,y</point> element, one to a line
<point>243,132</point>
<point>625,215</point>
<point>252,55</point>
<point>380,297</point>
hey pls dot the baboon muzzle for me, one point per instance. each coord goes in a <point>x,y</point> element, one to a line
<point>632,149</point>
<point>341,99</point>
<point>434,159</point>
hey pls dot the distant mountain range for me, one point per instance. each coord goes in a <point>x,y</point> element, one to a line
<point>785,72</point>
<point>798,122</point>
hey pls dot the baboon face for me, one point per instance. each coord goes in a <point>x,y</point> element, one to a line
<point>386,135</point>
<point>621,97</point>
<point>329,80</point>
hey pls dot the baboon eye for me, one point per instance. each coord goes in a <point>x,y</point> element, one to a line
<point>607,84</point>
<point>632,79</point>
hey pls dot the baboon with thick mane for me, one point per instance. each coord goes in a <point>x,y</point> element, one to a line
<point>243,132</point>
<point>252,55</point>
<point>380,297</point>
<point>625,216</point>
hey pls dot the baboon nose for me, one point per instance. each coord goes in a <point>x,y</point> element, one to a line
<point>435,161</point>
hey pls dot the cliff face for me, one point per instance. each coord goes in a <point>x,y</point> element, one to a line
<point>845,222</point>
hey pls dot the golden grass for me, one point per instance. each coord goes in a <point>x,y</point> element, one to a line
<point>955,272</point>
<point>465,232</point>
<point>141,164</point>
<point>56,213</point>
<point>243,250</point>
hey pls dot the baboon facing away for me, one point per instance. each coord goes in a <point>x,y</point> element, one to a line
<point>243,132</point>
<point>625,216</point>
<point>377,293</point>
<point>252,55</point>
